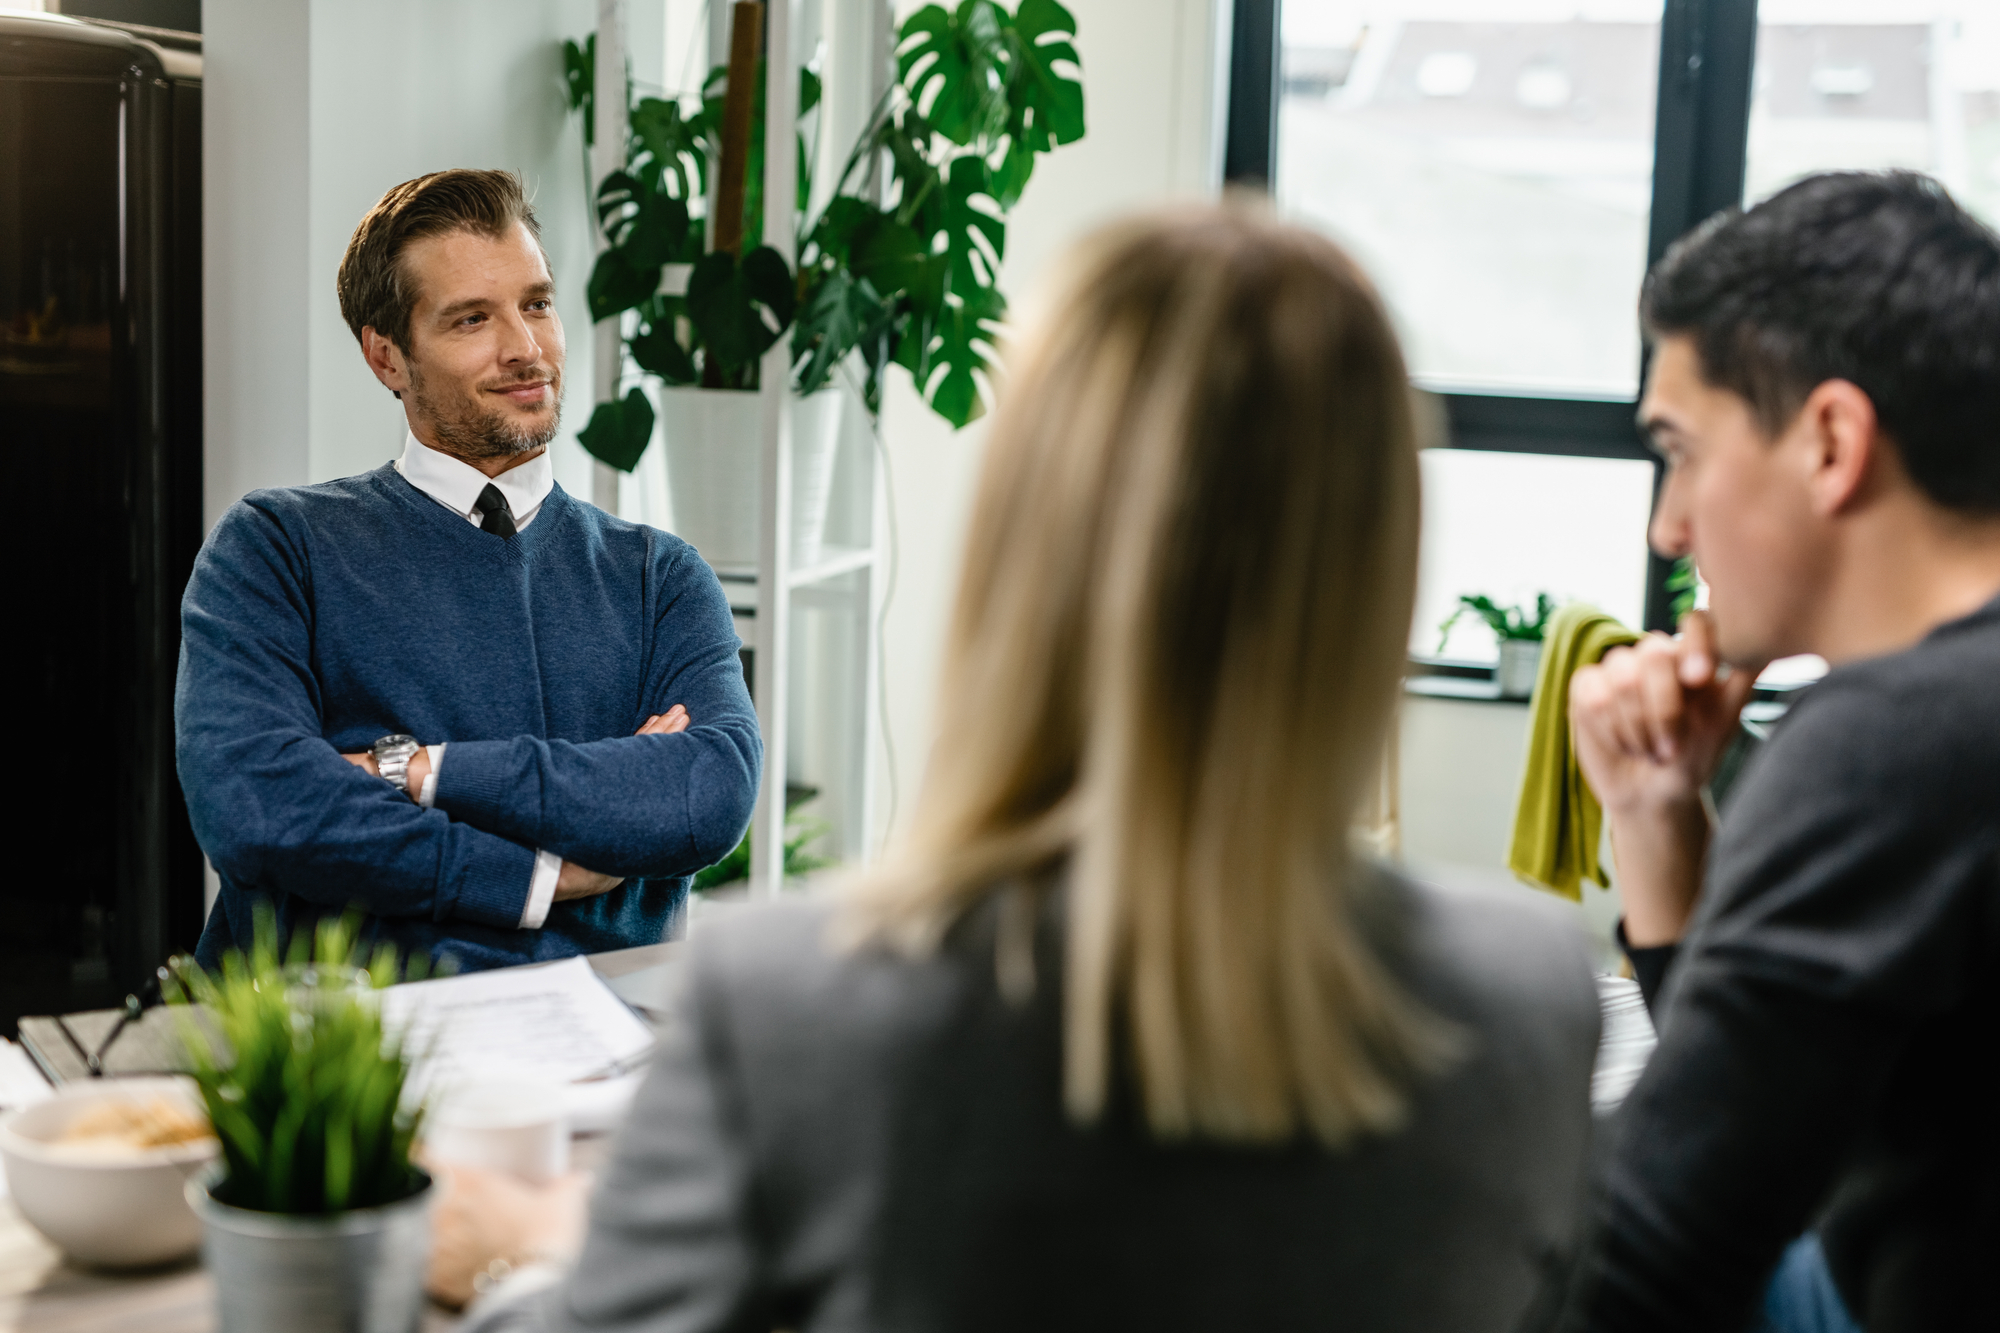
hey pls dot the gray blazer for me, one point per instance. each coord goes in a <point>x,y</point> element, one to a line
<point>848,1142</point>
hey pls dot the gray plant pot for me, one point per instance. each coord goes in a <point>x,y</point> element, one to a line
<point>354,1272</point>
<point>1520,663</point>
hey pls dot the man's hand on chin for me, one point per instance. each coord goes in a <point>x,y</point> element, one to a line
<point>1651,724</point>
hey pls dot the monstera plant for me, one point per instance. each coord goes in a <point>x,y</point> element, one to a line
<point>980,93</point>
<point>915,282</point>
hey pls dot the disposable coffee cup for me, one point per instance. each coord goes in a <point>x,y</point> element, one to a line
<point>504,1124</point>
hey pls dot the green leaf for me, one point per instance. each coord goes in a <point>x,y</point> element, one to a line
<point>580,83</point>
<point>741,309</point>
<point>647,227</point>
<point>619,431</point>
<point>954,65</point>
<point>1042,30</point>
<point>617,286</point>
<point>965,337</point>
<point>658,349</point>
<point>339,1159</point>
<point>843,313</point>
<point>975,238</point>
<point>869,243</point>
<point>673,148</point>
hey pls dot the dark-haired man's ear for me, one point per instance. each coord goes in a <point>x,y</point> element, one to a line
<point>386,360</point>
<point>1843,446</point>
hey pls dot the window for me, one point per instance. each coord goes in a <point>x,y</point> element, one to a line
<point>1494,175</point>
<point>1507,170</point>
<point>1512,525</point>
<point>1897,83</point>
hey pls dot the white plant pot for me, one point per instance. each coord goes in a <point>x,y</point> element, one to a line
<point>713,438</point>
<point>1520,663</point>
<point>353,1272</point>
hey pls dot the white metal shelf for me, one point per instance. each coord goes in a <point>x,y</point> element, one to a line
<point>838,560</point>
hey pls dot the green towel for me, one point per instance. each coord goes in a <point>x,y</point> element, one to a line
<point>1558,823</point>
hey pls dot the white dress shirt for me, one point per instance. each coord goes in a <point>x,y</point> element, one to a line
<point>456,486</point>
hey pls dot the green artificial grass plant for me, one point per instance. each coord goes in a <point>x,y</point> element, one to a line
<point>304,1088</point>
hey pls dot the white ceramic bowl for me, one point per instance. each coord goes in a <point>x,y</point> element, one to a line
<point>109,1212</point>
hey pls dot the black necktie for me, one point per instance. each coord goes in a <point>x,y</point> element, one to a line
<point>499,519</point>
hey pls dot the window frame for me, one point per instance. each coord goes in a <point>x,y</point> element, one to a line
<point>1701,133</point>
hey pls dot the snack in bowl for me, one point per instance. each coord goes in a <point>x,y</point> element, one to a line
<point>100,1169</point>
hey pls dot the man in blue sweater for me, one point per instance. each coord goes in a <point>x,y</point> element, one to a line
<point>504,724</point>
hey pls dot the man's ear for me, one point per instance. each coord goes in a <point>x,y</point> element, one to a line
<point>1843,443</point>
<point>386,360</point>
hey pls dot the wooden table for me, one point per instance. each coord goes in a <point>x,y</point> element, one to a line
<point>42,1293</point>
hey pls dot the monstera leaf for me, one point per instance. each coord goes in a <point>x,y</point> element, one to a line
<point>1044,105</point>
<point>964,346</point>
<point>657,348</point>
<point>672,154</point>
<point>953,65</point>
<point>740,310</point>
<point>975,236</point>
<point>619,430</point>
<point>580,84</point>
<point>842,313</point>
<point>854,255</point>
<point>616,286</point>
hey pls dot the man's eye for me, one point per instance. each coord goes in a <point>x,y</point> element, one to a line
<point>538,305</point>
<point>471,319</point>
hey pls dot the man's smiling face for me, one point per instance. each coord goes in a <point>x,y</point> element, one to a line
<point>486,347</point>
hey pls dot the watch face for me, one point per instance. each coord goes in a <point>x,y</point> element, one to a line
<point>397,744</point>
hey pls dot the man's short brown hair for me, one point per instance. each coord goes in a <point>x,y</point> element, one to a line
<point>374,290</point>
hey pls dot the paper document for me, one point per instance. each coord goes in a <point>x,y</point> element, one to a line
<point>555,1022</point>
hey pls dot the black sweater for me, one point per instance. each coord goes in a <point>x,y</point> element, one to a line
<point>1829,1030</point>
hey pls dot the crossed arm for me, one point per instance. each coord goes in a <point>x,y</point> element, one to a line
<point>573,881</point>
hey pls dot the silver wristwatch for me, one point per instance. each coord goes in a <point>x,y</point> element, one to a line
<point>392,759</point>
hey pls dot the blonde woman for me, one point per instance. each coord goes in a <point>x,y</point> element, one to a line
<point>1124,1035</point>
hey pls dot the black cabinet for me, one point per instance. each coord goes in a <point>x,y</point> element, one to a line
<point>100,417</point>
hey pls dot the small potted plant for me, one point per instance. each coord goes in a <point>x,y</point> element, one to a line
<point>318,1219</point>
<point>980,92</point>
<point>1520,634</point>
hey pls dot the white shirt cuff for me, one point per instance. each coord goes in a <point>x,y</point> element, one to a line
<point>427,796</point>
<point>541,890</point>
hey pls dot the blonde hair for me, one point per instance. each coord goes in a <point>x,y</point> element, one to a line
<point>1178,635</point>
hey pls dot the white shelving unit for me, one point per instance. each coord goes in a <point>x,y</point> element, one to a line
<point>815,667</point>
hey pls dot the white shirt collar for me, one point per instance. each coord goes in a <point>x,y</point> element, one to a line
<point>456,485</point>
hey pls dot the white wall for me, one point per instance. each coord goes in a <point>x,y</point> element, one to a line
<point>255,219</point>
<point>1461,767</point>
<point>314,108</point>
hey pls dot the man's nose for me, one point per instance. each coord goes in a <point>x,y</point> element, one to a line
<point>1668,533</point>
<point>519,345</point>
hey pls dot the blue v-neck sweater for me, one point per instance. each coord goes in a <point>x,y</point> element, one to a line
<point>322,617</point>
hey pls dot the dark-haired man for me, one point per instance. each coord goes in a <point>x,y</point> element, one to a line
<point>1825,967</point>
<point>504,724</point>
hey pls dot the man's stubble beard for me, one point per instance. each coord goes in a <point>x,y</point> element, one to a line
<point>468,429</point>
